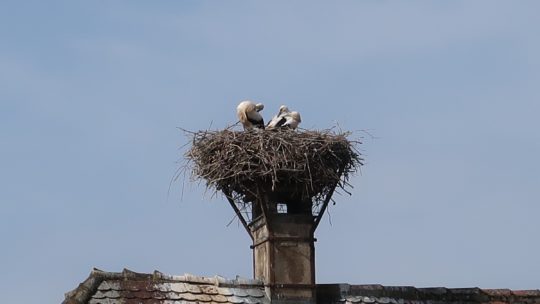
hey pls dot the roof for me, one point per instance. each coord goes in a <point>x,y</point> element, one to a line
<point>128,287</point>
<point>378,294</point>
<point>131,287</point>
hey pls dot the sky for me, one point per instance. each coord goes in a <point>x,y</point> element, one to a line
<point>92,94</point>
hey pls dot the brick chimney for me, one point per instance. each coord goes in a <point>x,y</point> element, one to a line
<point>282,230</point>
<point>284,256</point>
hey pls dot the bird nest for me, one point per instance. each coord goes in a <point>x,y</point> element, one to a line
<point>282,165</point>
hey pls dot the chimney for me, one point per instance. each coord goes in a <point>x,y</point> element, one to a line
<point>282,228</point>
<point>284,256</point>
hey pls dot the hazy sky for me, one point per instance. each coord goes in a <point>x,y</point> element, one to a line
<point>92,93</point>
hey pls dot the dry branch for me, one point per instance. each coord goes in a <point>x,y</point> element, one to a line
<point>282,164</point>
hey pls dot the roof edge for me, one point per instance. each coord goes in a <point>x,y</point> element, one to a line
<point>473,294</point>
<point>82,293</point>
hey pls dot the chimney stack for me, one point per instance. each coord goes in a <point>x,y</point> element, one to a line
<point>284,245</point>
<point>284,256</point>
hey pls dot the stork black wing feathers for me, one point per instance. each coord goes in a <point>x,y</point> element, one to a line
<point>256,123</point>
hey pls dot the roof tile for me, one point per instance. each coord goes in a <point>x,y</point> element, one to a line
<point>150,287</point>
<point>209,289</point>
<point>140,295</point>
<point>173,296</point>
<point>112,294</point>
<point>188,297</point>
<point>235,299</point>
<point>164,287</point>
<point>203,298</point>
<point>129,285</point>
<point>239,292</point>
<point>103,301</point>
<point>527,293</point>
<point>178,287</point>
<point>255,292</point>
<point>219,298</point>
<point>192,288</point>
<point>369,300</point>
<point>105,286</point>
<point>99,295</point>
<point>225,291</point>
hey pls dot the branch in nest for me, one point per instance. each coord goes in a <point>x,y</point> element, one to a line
<point>301,164</point>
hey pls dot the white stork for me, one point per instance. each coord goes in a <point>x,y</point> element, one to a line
<point>285,119</point>
<point>277,118</point>
<point>292,120</point>
<point>249,116</point>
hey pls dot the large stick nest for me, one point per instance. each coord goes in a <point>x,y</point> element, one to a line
<point>284,165</point>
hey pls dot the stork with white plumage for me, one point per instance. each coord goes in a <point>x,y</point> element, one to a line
<point>277,118</point>
<point>292,120</point>
<point>285,119</point>
<point>249,116</point>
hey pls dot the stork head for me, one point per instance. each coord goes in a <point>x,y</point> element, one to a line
<point>283,109</point>
<point>259,107</point>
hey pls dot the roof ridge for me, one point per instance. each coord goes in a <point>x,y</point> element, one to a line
<point>84,291</point>
<point>216,280</point>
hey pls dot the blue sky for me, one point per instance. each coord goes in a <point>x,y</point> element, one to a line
<point>93,92</point>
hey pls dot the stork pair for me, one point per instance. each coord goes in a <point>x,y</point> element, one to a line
<point>248,113</point>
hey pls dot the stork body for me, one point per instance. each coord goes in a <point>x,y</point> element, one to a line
<point>278,117</point>
<point>285,119</point>
<point>292,120</point>
<point>249,116</point>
